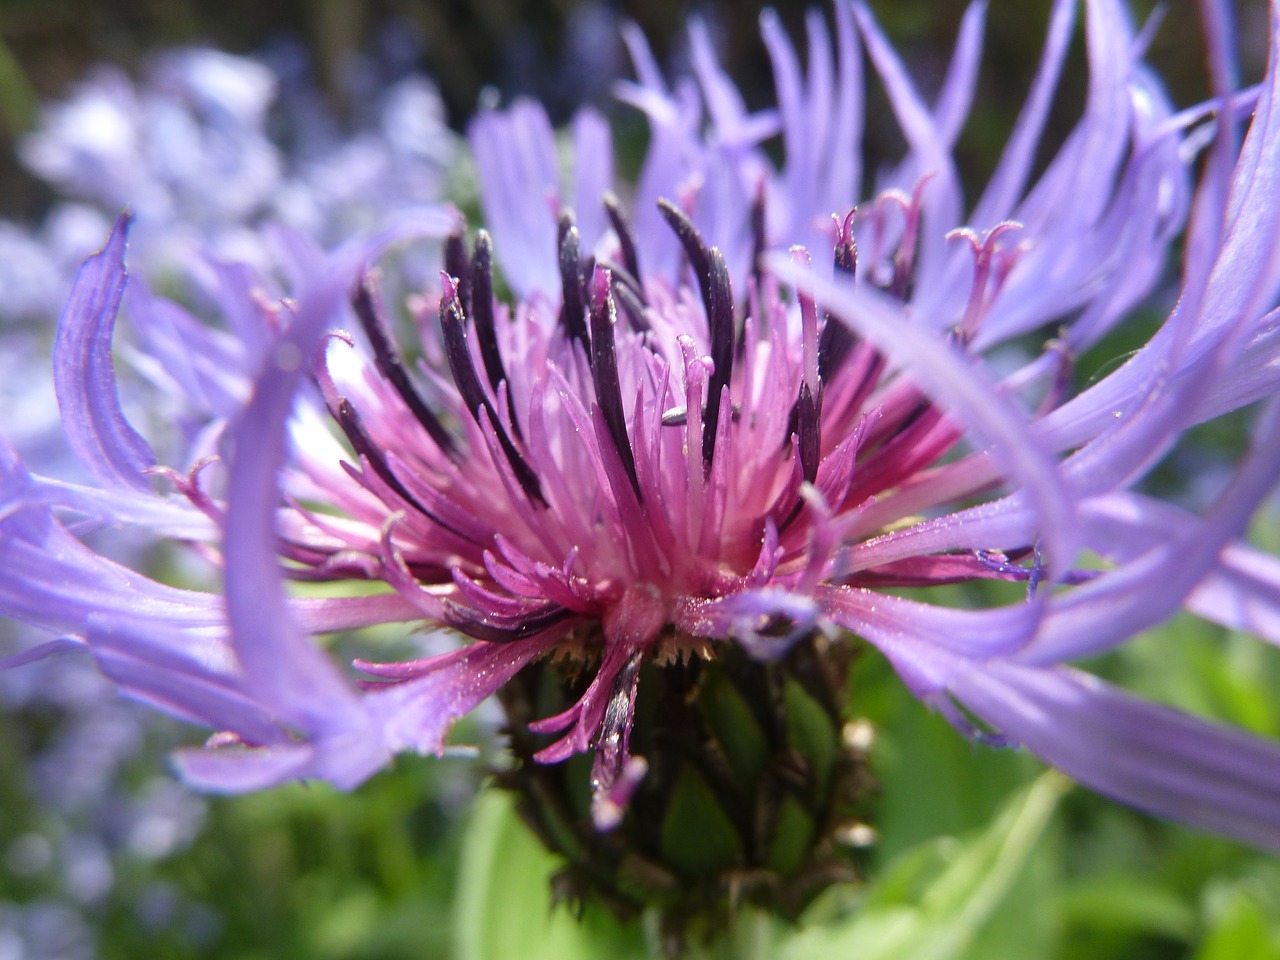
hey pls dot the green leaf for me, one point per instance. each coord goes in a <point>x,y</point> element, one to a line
<point>698,838</point>
<point>504,908</point>
<point>18,101</point>
<point>793,834</point>
<point>1241,930</point>
<point>946,918</point>
<point>933,782</point>
<point>810,731</point>
<point>735,726</point>
<point>1129,904</point>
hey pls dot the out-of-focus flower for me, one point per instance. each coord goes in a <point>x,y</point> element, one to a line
<point>203,161</point>
<point>683,440</point>
<point>200,121</point>
<point>203,156</point>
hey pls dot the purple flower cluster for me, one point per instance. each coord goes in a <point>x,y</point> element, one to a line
<point>200,117</point>
<point>734,409</point>
<point>203,152</point>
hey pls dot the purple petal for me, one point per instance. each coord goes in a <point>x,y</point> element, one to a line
<point>592,174</point>
<point>84,374</point>
<point>725,106</point>
<point>929,155</point>
<point>956,97</point>
<point>1010,177</point>
<point>283,668</point>
<point>897,625</point>
<point>1211,326</point>
<point>417,714</point>
<point>1152,587</point>
<point>1142,754</point>
<point>171,670</point>
<point>194,361</point>
<point>642,59</point>
<point>766,622</point>
<point>1205,229</point>
<point>55,582</point>
<point>1241,592</point>
<point>335,614</point>
<point>964,392</point>
<point>821,123</point>
<point>515,159</point>
<point>237,769</point>
<point>50,648</point>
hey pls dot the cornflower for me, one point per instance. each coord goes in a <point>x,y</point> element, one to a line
<point>682,440</point>
<point>199,117</point>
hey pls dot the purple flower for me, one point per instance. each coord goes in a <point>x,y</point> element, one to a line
<point>202,118</point>
<point>687,430</point>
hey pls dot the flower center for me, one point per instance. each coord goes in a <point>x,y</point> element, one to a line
<point>644,446</point>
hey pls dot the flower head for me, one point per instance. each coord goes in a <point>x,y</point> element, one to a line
<point>737,409</point>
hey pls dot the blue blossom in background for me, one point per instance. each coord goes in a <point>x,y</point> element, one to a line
<point>199,153</point>
<point>203,158</point>
<point>687,430</point>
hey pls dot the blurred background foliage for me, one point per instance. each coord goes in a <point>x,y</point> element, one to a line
<point>981,854</point>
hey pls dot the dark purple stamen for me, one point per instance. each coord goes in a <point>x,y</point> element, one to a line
<point>808,433</point>
<point>835,343</point>
<point>627,289</point>
<point>1037,571</point>
<point>626,239</point>
<point>805,424</point>
<point>1060,385</point>
<point>913,416</point>
<point>837,340</point>
<point>480,627</point>
<point>695,249</point>
<point>604,371</point>
<point>846,251</point>
<point>718,295</point>
<point>758,241</point>
<point>391,365</point>
<point>903,281</point>
<point>356,434</point>
<point>482,314</point>
<point>353,428</point>
<point>717,298</point>
<point>632,306</point>
<point>613,741</point>
<point>453,324</point>
<point>622,277</point>
<point>572,310</point>
<point>455,264</point>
